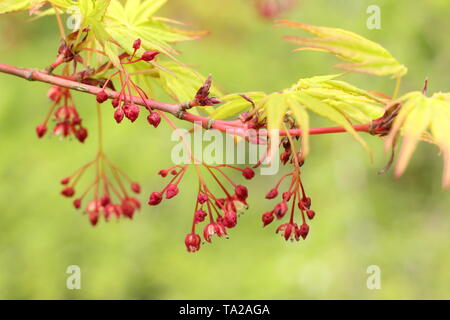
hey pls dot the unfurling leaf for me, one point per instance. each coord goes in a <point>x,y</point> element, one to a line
<point>181,82</point>
<point>365,56</point>
<point>422,118</point>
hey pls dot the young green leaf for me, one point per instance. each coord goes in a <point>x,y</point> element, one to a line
<point>275,107</point>
<point>326,110</point>
<point>354,103</point>
<point>14,5</point>
<point>135,20</point>
<point>365,56</point>
<point>140,12</point>
<point>301,117</point>
<point>7,6</point>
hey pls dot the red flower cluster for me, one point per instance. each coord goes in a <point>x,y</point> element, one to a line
<point>124,104</point>
<point>221,211</point>
<point>104,192</point>
<point>68,122</point>
<point>171,189</point>
<point>295,194</point>
<point>66,117</point>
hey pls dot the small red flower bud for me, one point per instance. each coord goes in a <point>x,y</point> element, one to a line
<point>61,129</point>
<point>62,113</point>
<point>154,119</point>
<point>115,102</point>
<point>65,180</point>
<point>192,242</point>
<point>41,130</point>
<point>81,134</point>
<point>68,192</point>
<point>267,218</point>
<point>127,208</point>
<point>93,205</point>
<point>93,217</point>
<point>163,173</point>
<point>109,211</point>
<point>284,157</point>
<point>102,96</point>
<point>105,200</point>
<point>199,216</point>
<point>54,94</point>
<point>137,44</point>
<point>272,194</point>
<point>230,219</point>
<point>241,192</point>
<point>77,203</point>
<point>248,173</point>
<point>289,231</point>
<point>155,198</point>
<point>131,112</point>
<point>76,121</point>
<point>149,55</point>
<point>287,196</point>
<point>172,191</point>
<point>310,214</point>
<point>303,230</point>
<point>173,172</point>
<point>136,187</point>
<point>118,115</point>
<point>306,202</point>
<point>202,198</point>
<point>280,210</point>
<point>214,228</point>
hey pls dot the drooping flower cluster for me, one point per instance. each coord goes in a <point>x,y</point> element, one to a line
<point>295,195</point>
<point>67,120</point>
<point>124,104</point>
<point>110,197</point>
<point>298,198</point>
<point>221,212</point>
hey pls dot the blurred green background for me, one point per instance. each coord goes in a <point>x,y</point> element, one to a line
<point>363,219</point>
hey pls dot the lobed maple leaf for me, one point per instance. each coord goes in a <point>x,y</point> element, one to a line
<point>365,56</point>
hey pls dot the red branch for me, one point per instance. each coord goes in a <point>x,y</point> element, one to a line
<point>235,127</point>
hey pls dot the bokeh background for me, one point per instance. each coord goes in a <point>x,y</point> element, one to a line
<point>363,219</point>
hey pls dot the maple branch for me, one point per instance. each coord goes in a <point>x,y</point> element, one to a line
<point>231,127</point>
<point>42,76</point>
